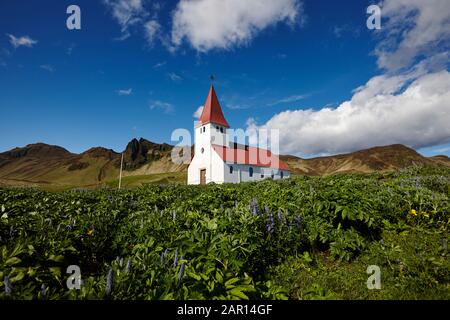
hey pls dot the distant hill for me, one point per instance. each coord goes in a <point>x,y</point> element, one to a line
<point>55,168</point>
<point>386,158</point>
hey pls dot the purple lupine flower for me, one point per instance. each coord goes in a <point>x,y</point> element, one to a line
<point>8,286</point>
<point>164,255</point>
<point>181,273</point>
<point>109,282</point>
<point>267,210</point>
<point>297,221</point>
<point>43,291</point>
<point>254,208</point>
<point>175,260</point>
<point>129,265</point>
<point>270,226</point>
<point>174,215</point>
<point>281,218</point>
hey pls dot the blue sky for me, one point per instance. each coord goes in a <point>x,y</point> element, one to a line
<point>114,80</point>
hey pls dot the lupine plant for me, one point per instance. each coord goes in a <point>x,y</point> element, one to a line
<point>299,238</point>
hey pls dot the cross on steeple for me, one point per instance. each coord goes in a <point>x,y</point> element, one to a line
<point>212,78</point>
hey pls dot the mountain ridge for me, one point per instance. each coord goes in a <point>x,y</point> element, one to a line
<point>53,166</point>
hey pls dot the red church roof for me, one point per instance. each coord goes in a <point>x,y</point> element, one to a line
<point>212,112</point>
<point>251,156</point>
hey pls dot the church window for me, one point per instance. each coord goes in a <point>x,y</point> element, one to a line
<point>231,169</point>
<point>281,174</point>
<point>202,150</point>
<point>250,171</point>
<point>221,129</point>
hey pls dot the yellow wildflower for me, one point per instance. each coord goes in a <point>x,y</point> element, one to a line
<point>413,212</point>
<point>90,232</point>
<point>425,214</point>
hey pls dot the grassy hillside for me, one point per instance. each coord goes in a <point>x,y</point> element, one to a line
<point>377,159</point>
<point>54,168</point>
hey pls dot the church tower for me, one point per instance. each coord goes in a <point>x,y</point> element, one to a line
<point>211,129</point>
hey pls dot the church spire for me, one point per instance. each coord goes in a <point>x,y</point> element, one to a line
<point>212,112</point>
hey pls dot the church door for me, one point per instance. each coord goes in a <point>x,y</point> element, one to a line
<point>203,176</point>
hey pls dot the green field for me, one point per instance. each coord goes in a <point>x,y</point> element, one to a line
<point>300,238</point>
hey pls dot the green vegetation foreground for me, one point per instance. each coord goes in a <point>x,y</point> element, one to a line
<point>302,238</point>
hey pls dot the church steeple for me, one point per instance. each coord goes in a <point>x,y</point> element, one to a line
<point>212,112</point>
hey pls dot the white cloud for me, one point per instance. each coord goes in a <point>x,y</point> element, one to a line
<point>126,12</point>
<point>174,77</point>
<point>159,64</point>
<point>24,41</point>
<point>132,14</point>
<point>125,92</point>
<point>165,106</point>
<point>222,24</point>
<point>47,67</point>
<point>412,28</point>
<point>292,98</point>
<point>198,112</point>
<point>152,28</point>
<point>411,109</point>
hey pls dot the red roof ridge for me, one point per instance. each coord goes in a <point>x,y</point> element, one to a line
<point>251,156</point>
<point>212,111</point>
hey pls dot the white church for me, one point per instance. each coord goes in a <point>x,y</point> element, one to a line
<point>217,159</point>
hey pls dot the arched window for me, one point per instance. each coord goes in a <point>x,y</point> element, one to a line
<point>217,128</point>
<point>204,129</point>
<point>272,175</point>
<point>281,174</point>
<point>231,169</point>
<point>250,171</point>
<point>221,129</point>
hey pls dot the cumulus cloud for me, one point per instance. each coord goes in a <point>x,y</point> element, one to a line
<point>24,41</point>
<point>222,24</point>
<point>412,109</point>
<point>198,112</point>
<point>125,92</point>
<point>408,104</point>
<point>411,29</point>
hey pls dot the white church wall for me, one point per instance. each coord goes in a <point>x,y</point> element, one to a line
<point>205,157</point>
<point>241,173</point>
